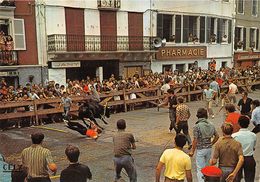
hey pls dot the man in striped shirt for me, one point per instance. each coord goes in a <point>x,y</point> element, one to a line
<point>38,160</point>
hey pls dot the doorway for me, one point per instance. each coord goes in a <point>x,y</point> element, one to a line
<point>180,67</point>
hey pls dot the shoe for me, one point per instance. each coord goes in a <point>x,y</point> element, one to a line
<point>158,108</point>
<point>65,122</point>
<point>213,116</point>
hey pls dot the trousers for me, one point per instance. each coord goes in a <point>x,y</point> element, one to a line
<point>248,168</point>
<point>172,116</point>
<point>183,125</point>
<point>202,160</point>
<point>39,179</point>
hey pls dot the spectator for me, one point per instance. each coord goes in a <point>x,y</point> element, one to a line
<point>232,117</point>
<point>182,116</point>
<point>123,144</point>
<point>229,154</point>
<point>248,142</point>
<point>214,86</point>
<point>244,104</point>
<point>203,132</point>
<point>208,97</point>
<point>176,162</point>
<point>75,172</point>
<point>38,160</point>
<point>255,119</point>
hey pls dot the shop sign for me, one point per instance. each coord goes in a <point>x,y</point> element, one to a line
<point>3,73</point>
<point>74,64</point>
<point>247,56</point>
<point>173,53</point>
<point>9,73</point>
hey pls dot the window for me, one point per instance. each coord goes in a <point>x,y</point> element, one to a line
<point>254,7</point>
<point>167,67</point>
<point>19,35</point>
<point>252,38</point>
<point>190,29</point>
<point>178,28</point>
<point>240,38</point>
<point>225,0</point>
<point>164,26</point>
<point>202,29</point>
<point>240,6</point>
<point>222,31</point>
<point>211,30</point>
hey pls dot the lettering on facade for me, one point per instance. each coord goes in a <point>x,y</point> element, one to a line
<point>74,64</point>
<point>248,56</point>
<point>172,53</point>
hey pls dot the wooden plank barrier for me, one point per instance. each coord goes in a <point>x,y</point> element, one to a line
<point>153,95</point>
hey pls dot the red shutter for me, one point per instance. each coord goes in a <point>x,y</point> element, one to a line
<point>135,31</point>
<point>108,30</point>
<point>75,29</point>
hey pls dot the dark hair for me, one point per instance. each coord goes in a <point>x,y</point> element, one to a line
<point>180,99</point>
<point>170,91</point>
<point>72,153</point>
<point>245,93</point>
<point>202,113</point>
<point>227,128</point>
<point>256,103</point>
<point>180,140</point>
<point>167,80</point>
<point>243,121</point>
<point>121,125</point>
<point>230,108</point>
<point>37,138</point>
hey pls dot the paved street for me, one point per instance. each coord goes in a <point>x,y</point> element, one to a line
<point>149,127</point>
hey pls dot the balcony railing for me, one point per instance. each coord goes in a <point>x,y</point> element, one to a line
<point>7,3</point>
<point>109,4</point>
<point>8,58</point>
<point>63,43</point>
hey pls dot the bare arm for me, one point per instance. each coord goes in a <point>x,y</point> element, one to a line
<point>133,146</point>
<point>194,146</point>
<point>215,139</point>
<point>232,176</point>
<point>189,175</point>
<point>158,171</point>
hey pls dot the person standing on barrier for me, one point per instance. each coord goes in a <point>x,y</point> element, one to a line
<point>171,101</point>
<point>182,116</point>
<point>176,162</point>
<point>208,97</point>
<point>229,153</point>
<point>248,142</point>
<point>123,144</point>
<point>66,102</point>
<point>255,119</point>
<point>203,132</point>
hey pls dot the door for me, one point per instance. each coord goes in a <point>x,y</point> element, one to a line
<point>75,30</point>
<point>135,31</point>
<point>130,71</point>
<point>108,30</point>
<point>167,67</point>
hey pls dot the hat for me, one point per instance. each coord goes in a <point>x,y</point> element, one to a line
<point>92,133</point>
<point>211,171</point>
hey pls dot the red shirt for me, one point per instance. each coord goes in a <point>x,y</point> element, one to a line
<point>233,119</point>
<point>219,81</point>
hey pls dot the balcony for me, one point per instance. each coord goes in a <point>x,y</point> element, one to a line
<point>91,43</point>
<point>7,3</point>
<point>8,58</point>
<point>109,4</point>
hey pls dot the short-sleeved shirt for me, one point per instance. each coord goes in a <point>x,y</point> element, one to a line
<point>75,172</point>
<point>245,107</point>
<point>176,163</point>
<point>256,116</point>
<point>183,112</point>
<point>209,93</point>
<point>66,101</point>
<point>232,88</point>
<point>227,150</point>
<point>123,143</point>
<point>203,143</point>
<point>36,159</point>
<point>233,119</point>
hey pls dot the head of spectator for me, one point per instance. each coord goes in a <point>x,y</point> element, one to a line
<point>121,124</point>
<point>180,100</point>
<point>37,138</point>
<point>244,94</point>
<point>243,121</point>
<point>227,129</point>
<point>202,113</point>
<point>255,103</point>
<point>230,108</point>
<point>170,91</point>
<point>180,140</point>
<point>72,153</point>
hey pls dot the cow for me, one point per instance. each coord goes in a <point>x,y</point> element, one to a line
<point>91,110</point>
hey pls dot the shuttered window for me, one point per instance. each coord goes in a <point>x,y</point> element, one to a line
<point>257,38</point>
<point>19,35</point>
<point>244,38</point>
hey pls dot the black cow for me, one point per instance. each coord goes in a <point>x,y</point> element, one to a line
<point>91,110</point>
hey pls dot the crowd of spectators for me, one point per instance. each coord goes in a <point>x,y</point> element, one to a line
<point>193,77</point>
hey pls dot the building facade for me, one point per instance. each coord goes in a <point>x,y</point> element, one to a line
<point>194,31</point>
<point>18,44</point>
<point>246,42</point>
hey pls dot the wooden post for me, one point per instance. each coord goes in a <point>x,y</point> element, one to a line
<point>36,112</point>
<point>124,97</point>
<point>189,93</point>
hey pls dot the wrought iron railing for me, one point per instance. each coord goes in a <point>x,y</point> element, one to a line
<point>109,4</point>
<point>8,58</point>
<point>63,43</point>
<point>7,3</point>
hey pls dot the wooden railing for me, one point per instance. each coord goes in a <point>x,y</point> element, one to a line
<point>10,110</point>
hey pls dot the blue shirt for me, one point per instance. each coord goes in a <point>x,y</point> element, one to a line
<point>256,116</point>
<point>214,86</point>
<point>208,93</point>
<point>247,140</point>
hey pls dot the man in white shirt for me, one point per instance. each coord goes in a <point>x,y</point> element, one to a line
<point>166,86</point>
<point>232,92</point>
<point>255,118</point>
<point>248,142</point>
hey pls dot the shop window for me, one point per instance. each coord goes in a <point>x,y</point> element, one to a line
<point>240,6</point>
<point>180,68</point>
<point>167,67</point>
<point>254,7</point>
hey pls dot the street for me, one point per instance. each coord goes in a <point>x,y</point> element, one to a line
<point>149,126</point>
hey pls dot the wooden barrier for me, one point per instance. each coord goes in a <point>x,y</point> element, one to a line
<point>152,95</point>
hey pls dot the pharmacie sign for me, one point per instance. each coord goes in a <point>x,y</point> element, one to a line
<point>171,53</point>
<point>74,64</point>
